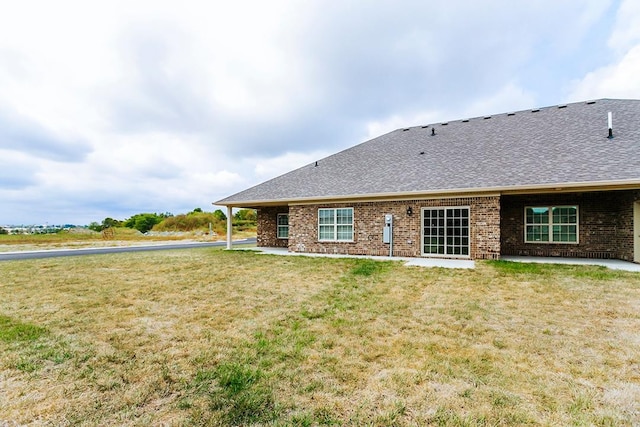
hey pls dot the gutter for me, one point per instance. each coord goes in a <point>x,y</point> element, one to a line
<point>565,187</point>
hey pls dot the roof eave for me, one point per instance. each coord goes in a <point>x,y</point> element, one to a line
<point>562,187</point>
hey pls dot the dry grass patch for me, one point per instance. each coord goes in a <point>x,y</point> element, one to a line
<point>84,238</point>
<point>211,337</point>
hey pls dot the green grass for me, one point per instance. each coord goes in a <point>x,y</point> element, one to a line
<point>15,331</point>
<point>212,337</point>
<point>32,346</point>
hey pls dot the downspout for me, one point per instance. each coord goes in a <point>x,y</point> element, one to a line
<point>229,226</point>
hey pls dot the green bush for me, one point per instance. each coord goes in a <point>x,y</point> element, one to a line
<point>144,222</point>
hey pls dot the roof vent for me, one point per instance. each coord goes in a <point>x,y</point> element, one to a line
<point>433,131</point>
<point>487,117</point>
<point>562,106</point>
<point>535,111</point>
<point>591,102</point>
<point>444,124</point>
<point>405,129</point>
<point>610,117</point>
<point>421,153</point>
<point>316,165</point>
<point>465,121</point>
<point>511,114</point>
<point>425,127</point>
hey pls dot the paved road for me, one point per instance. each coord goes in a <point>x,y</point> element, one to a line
<point>52,253</point>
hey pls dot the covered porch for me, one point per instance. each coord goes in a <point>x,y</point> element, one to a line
<point>590,225</point>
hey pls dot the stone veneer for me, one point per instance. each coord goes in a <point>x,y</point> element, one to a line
<point>605,224</point>
<point>369,223</point>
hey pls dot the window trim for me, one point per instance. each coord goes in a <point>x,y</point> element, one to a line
<point>445,255</point>
<point>278,225</point>
<point>335,225</point>
<point>550,224</point>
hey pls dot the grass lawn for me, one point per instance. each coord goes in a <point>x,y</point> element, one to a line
<point>212,337</point>
<point>121,237</point>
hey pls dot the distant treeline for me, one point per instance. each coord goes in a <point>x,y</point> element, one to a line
<point>195,220</point>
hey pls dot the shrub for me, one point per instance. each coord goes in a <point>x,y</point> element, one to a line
<point>143,222</point>
<point>191,222</point>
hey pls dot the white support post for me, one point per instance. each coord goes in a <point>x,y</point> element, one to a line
<point>229,226</point>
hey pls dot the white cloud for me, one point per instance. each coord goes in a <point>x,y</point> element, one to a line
<point>267,168</point>
<point>626,31</point>
<point>380,127</point>
<point>618,79</point>
<point>114,108</point>
<point>509,97</point>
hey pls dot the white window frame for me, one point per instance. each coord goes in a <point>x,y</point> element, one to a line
<point>282,226</point>
<point>446,245</point>
<point>335,225</point>
<point>550,224</point>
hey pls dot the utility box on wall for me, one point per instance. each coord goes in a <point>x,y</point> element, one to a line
<point>388,228</point>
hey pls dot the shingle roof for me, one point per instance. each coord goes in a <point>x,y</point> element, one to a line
<point>559,145</point>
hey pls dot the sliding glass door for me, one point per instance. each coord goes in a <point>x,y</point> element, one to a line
<point>445,232</point>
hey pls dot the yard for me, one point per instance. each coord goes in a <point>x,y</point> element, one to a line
<point>213,337</point>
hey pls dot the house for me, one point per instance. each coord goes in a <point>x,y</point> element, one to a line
<point>554,181</point>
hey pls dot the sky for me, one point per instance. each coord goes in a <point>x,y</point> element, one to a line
<point>109,109</point>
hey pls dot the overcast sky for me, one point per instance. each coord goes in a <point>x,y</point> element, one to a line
<point>113,108</point>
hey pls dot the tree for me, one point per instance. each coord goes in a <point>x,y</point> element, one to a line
<point>110,222</point>
<point>219,215</point>
<point>144,222</point>
<point>197,210</point>
<point>246,215</point>
<point>3,231</point>
<point>95,227</point>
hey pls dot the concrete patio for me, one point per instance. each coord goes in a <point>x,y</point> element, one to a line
<point>613,264</point>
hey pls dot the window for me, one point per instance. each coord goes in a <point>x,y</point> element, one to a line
<point>283,226</point>
<point>335,224</point>
<point>551,224</point>
<point>445,231</point>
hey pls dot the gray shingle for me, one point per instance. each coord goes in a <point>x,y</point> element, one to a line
<point>527,149</point>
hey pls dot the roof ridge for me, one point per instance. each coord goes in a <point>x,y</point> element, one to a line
<point>515,112</point>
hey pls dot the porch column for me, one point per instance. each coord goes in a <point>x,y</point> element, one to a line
<point>229,226</point>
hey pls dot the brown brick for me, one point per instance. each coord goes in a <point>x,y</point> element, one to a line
<point>267,227</point>
<point>369,224</point>
<point>497,226</point>
<point>605,225</point>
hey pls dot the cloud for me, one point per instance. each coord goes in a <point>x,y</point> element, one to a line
<point>17,171</point>
<point>112,109</point>
<point>618,79</point>
<point>22,134</point>
<point>510,97</point>
<point>267,168</point>
<point>626,32</point>
<point>158,88</point>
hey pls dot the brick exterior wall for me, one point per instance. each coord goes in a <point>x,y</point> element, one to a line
<point>268,227</point>
<point>497,226</point>
<point>368,225</point>
<point>605,225</point>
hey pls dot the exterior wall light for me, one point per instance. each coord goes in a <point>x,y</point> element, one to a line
<point>409,211</point>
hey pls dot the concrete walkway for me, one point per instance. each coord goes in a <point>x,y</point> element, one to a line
<point>613,264</point>
<point>419,262</point>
